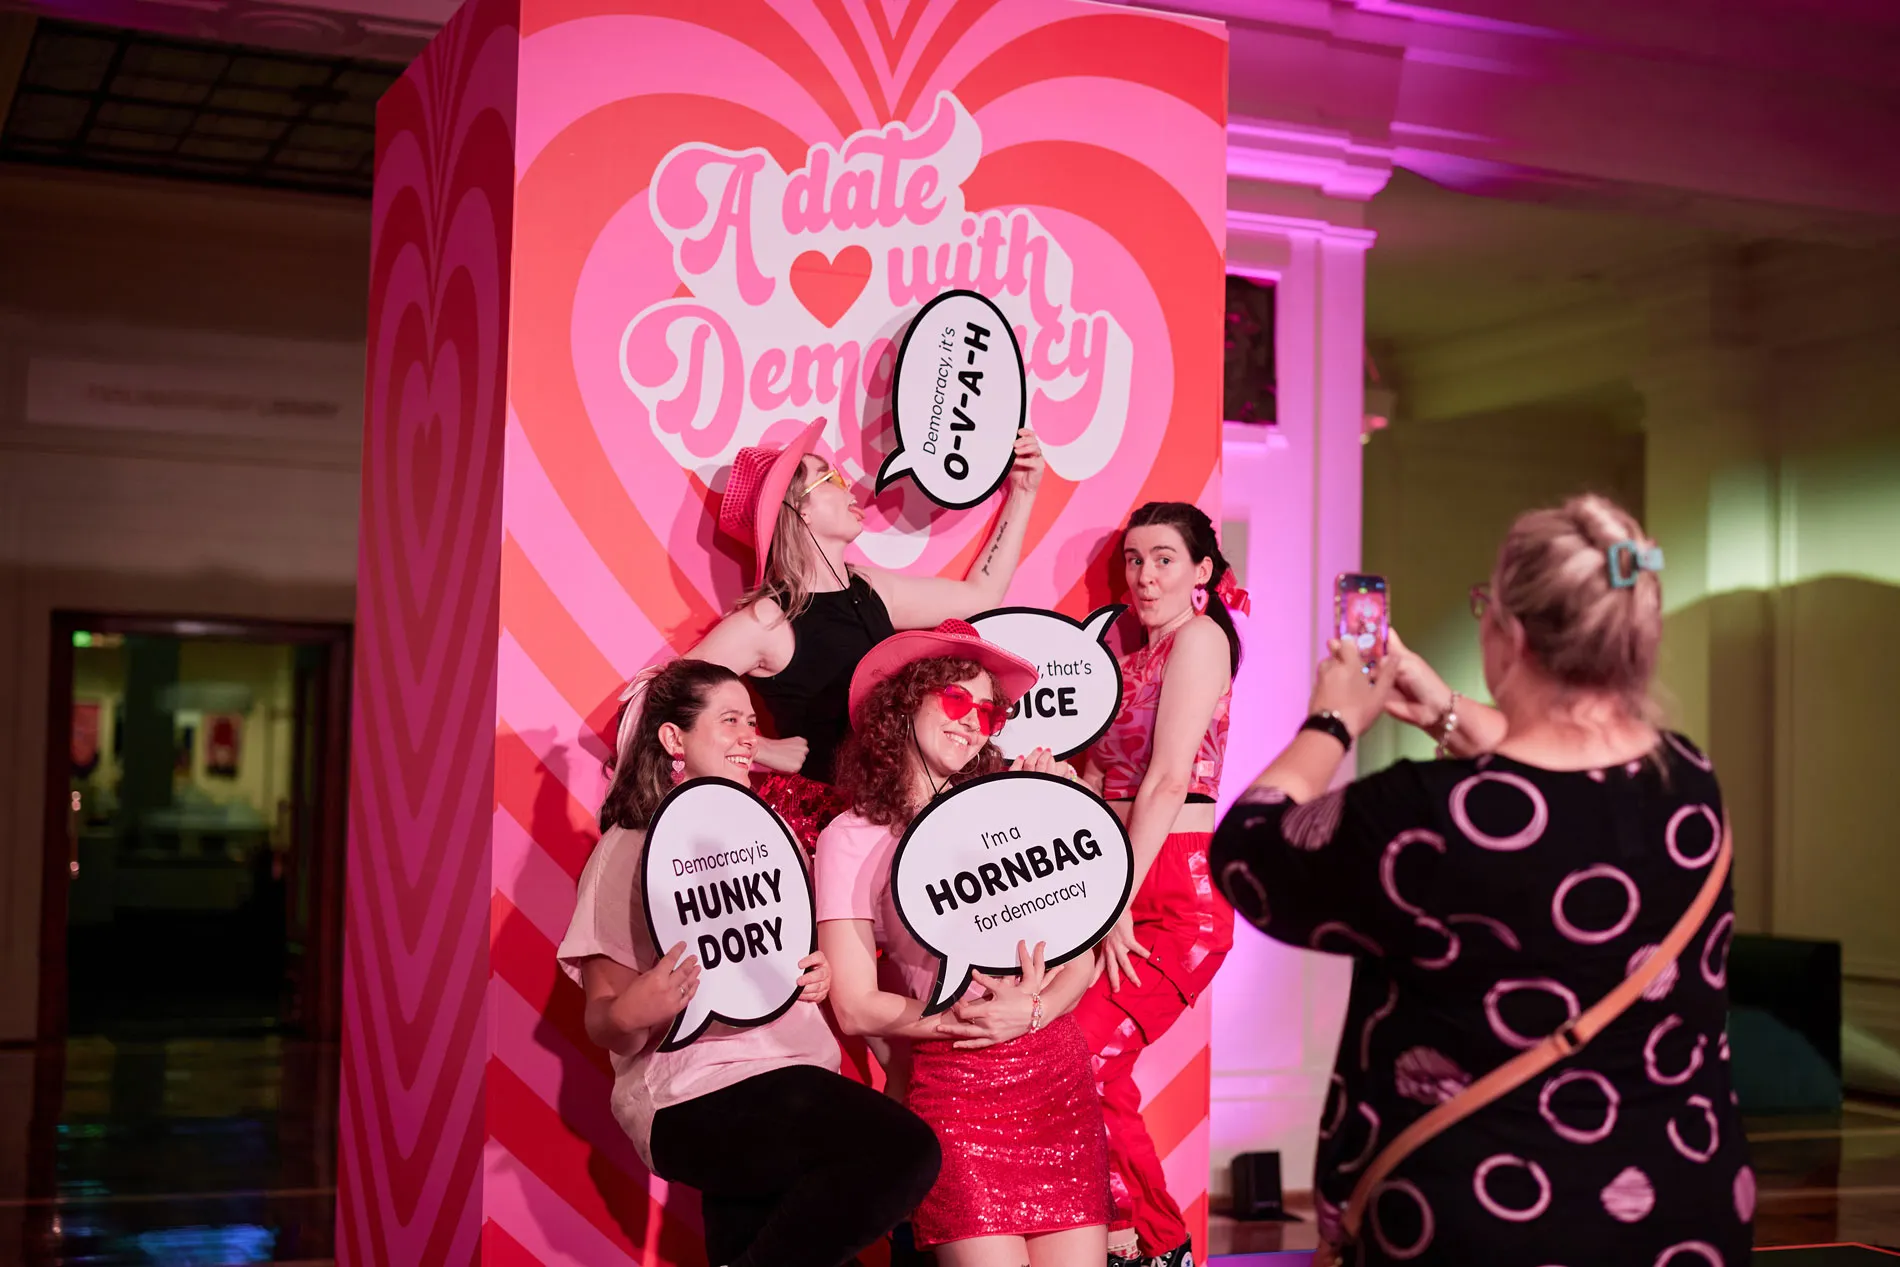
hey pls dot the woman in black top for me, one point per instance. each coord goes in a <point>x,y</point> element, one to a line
<point>1489,897</point>
<point>799,633</point>
<point>810,616</point>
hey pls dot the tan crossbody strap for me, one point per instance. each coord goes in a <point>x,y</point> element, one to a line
<point>1572,1038</point>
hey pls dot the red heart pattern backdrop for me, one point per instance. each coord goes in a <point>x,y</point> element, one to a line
<point>616,240</point>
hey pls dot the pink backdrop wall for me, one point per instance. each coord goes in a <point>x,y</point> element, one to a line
<point>662,301</point>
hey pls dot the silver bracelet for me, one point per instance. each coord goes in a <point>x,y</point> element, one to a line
<point>1447,727</point>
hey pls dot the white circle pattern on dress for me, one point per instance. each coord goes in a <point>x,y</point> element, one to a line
<point>1428,1228</point>
<point>1239,871</point>
<point>1676,820</point>
<point>1708,1115</point>
<point>1629,1197</point>
<point>1665,981</point>
<point>1745,1193</point>
<point>1725,929</point>
<point>1708,1252</point>
<point>1338,1084</point>
<point>1498,928</point>
<point>1334,928</point>
<point>1588,937</point>
<point>1689,754</point>
<point>1389,862</point>
<point>1496,995</point>
<point>1452,944</point>
<point>1532,832</point>
<point>1656,1075</point>
<point>1372,1139</point>
<point>1576,1134</point>
<point>1491,1203</point>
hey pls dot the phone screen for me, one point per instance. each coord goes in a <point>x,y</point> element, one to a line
<point>1362,613</point>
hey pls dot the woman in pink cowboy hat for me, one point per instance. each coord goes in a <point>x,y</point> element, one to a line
<point>810,616</point>
<point>1003,1077</point>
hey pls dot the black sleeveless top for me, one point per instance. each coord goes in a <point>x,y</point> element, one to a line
<point>809,698</point>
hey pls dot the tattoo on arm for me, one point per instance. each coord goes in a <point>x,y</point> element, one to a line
<point>996,543</point>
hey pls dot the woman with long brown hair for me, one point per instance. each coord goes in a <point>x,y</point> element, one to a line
<point>1003,1077</point>
<point>799,1166</point>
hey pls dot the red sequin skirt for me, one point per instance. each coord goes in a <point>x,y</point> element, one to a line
<point>1024,1148</point>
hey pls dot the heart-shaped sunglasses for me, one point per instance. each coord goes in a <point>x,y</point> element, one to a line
<point>958,703</point>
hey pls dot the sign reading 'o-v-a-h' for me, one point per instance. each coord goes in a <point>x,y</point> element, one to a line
<point>958,399</point>
<point>1008,858</point>
<point>1079,684</point>
<point>722,874</point>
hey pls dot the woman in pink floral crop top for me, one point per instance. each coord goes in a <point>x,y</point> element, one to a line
<point>1159,765</point>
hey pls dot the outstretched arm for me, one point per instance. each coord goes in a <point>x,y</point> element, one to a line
<point>924,602</point>
<point>755,641</point>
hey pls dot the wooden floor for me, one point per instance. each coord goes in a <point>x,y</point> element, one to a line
<point>1825,1179</point>
<point>222,1150</point>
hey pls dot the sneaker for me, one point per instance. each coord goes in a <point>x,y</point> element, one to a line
<point>1116,1259</point>
<point>1181,1255</point>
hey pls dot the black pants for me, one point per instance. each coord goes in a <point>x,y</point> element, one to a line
<point>799,1167</point>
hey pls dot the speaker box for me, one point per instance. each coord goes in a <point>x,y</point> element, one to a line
<point>1256,1186</point>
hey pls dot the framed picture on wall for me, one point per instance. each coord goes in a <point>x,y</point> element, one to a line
<point>223,734</point>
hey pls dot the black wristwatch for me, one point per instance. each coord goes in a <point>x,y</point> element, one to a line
<point>1326,721</point>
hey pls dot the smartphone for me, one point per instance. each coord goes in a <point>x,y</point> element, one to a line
<point>1362,612</point>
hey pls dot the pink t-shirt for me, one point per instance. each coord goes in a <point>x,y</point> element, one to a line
<point>608,921</point>
<point>852,880</point>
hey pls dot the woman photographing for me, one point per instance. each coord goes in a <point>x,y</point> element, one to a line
<point>799,1166</point>
<point>1533,1068</point>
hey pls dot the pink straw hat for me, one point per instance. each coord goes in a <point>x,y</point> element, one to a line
<point>1012,673</point>
<point>748,509</point>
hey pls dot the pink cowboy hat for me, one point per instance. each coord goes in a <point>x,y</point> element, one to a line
<point>1012,673</point>
<point>760,478</point>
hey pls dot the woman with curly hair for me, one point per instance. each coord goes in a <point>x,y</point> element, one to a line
<point>799,1166</point>
<point>1004,1076</point>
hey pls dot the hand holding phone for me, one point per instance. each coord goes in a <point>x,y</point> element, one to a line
<point>1362,614</point>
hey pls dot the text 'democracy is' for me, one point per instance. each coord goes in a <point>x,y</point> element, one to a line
<point>722,874</point>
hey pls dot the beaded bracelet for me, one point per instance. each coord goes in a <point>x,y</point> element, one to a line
<point>1035,1012</point>
<point>1447,727</point>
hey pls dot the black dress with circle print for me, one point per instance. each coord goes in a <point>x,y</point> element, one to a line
<point>1485,903</point>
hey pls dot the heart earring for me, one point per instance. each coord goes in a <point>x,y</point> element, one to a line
<point>679,769</point>
<point>1200,599</point>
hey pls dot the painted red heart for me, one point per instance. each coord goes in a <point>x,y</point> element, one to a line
<point>828,287</point>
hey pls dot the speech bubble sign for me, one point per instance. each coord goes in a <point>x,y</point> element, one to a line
<point>722,873</point>
<point>1079,687</point>
<point>958,397</point>
<point>1005,858</point>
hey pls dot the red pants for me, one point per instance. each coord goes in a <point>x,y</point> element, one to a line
<point>1188,928</point>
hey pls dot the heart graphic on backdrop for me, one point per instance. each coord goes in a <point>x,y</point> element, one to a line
<point>828,287</point>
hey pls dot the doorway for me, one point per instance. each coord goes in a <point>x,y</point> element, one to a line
<point>195,826</point>
<point>191,942</point>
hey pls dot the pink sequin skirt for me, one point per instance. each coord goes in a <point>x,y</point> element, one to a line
<point>1024,1148</point>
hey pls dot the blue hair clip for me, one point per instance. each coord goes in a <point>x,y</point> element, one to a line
<point>1627,559</point>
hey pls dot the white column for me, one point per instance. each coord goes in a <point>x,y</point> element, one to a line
<point>1291,512</point>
